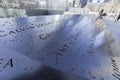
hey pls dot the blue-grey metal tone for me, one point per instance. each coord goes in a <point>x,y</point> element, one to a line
<point>77,44</point>
<point>114,28</point>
